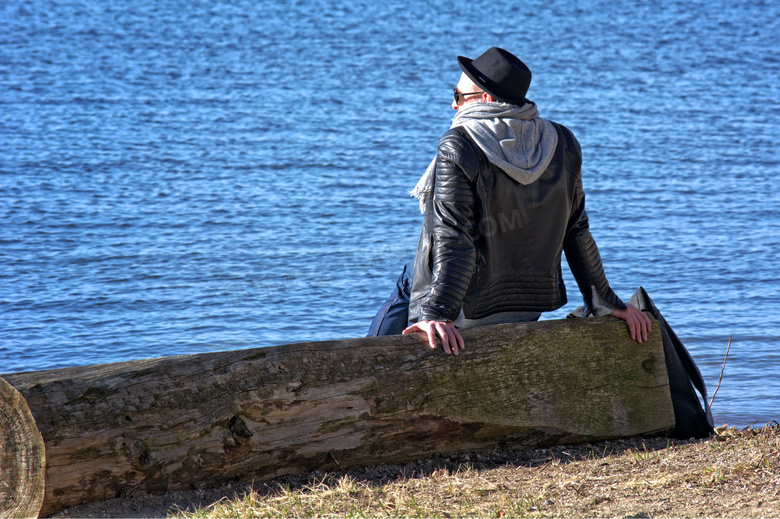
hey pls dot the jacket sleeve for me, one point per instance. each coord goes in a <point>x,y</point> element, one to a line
<point>454,254</point>
<point>580,248</point>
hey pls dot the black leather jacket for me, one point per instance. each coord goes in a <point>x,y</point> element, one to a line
<point>490,244</point>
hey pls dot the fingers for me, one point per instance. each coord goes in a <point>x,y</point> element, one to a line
<point>451,339</point>
<point>432,340</point>
<point>646,324</point>
<point>412,329</point>
<point>638,323</point>
<point>456,340</point>
<point>449,342</point>
<point>429,328</point>
<point>646,319</point>
<point>633,324</point>
<point>633,328</point>
<point>643,324</point>
<point>441,329</point>
<point>459,338</point>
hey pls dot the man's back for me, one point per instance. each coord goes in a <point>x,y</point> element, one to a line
<point>507,235</point>
<point>503,198</point>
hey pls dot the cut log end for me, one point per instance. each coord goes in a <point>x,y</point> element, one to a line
<point>22,459</point>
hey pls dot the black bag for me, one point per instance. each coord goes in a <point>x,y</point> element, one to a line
<point>691,421</point>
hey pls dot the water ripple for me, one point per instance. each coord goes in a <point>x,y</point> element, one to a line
<point>192,176</point>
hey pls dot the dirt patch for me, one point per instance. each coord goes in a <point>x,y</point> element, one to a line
<point>736,474</point>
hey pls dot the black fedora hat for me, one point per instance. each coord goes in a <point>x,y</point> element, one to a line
<point>499,73</point>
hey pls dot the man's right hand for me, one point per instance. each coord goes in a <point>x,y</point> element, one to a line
<point>638,323</point>
<point>451,340</point>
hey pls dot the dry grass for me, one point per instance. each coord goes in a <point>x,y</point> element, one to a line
<point>735,474</point>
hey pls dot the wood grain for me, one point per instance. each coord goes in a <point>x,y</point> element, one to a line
<point>22,457</point>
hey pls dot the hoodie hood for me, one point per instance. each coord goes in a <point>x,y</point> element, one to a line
<point>514,138</point>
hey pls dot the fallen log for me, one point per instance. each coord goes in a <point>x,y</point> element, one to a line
<point>182,422</point>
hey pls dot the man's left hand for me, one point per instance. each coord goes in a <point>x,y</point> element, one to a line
<point>451,340</point>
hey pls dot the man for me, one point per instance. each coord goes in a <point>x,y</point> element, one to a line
<point>501,200</point>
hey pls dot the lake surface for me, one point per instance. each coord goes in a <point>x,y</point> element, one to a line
<point>183,177</point>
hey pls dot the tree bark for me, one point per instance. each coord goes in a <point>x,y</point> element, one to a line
<point>182,422</point>
<point>21,457</point>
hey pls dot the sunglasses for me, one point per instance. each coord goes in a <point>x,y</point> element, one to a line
<point>459,96</point>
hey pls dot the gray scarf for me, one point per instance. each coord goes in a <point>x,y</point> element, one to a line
<point>514,138</point>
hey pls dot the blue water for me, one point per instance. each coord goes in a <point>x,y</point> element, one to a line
<point>182,177</point>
